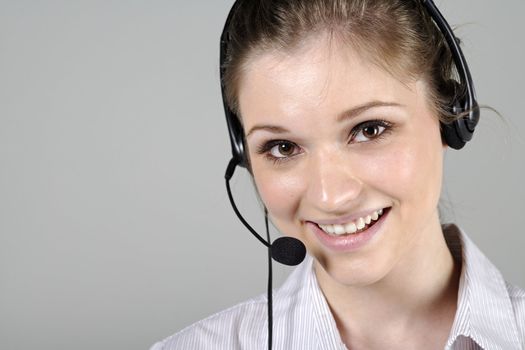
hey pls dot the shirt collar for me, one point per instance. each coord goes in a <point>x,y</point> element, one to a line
<point>484,313</point>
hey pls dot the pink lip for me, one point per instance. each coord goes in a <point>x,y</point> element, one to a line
<point>346,219</point>
<point>348,243</point>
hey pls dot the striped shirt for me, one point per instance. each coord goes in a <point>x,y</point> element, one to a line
<point>490,313</point>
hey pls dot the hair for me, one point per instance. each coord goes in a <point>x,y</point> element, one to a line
<point>397,35</point>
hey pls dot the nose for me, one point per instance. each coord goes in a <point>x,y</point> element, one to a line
<point>334,184</point>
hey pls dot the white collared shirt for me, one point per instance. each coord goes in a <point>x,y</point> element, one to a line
<point>490,313</point>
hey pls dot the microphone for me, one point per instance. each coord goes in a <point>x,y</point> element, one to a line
<point>288,251</point>
<point>285,250</point>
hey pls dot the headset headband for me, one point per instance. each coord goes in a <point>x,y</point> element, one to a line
<point>235,129</point>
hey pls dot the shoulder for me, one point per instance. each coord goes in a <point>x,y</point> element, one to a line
<point>241,326</point>
<point>517,299</point>
<point>245,325</point>
<point>491,311</point>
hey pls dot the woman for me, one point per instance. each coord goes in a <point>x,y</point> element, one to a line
<point>346,108</point>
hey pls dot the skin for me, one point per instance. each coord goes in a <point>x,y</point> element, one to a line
<point>400,289</point>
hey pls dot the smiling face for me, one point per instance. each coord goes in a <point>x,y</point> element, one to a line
<point>333,139</point>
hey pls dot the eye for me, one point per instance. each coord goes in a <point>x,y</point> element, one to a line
<point>283,149</point>
<point>279,150</point>
<point>369,130</point>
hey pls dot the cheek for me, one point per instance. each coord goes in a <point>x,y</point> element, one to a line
<point>408,171</point>
<point>391,172</point>
<point>280,192</point>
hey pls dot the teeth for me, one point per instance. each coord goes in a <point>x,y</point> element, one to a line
<point>339,229</point>
<point>352,227</point>
<point>360,223</point>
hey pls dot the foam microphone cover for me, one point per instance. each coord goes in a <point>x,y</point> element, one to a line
<point>288,251</point>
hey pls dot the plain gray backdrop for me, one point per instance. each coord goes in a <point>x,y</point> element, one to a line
<point>115,227</point>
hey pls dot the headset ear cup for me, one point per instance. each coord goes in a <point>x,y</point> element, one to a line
<point>450,136</point>
<point>451,132</point>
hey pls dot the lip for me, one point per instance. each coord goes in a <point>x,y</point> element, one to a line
<point>348,218</point>
<point>352,242</point>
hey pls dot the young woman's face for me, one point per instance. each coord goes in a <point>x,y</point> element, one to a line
<point>334,141</point>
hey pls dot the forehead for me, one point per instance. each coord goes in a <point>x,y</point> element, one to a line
<point>322,76</point>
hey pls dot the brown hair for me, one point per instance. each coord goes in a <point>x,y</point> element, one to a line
<point>397,35</point>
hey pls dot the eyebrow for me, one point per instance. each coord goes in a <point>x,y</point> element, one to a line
<point>271,128</point>
<point>354,112</point>
<point>348,114</point>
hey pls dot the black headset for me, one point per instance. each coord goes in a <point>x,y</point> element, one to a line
<point>463,106</point>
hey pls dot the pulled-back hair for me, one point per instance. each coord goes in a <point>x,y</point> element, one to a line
<point>397,35</point>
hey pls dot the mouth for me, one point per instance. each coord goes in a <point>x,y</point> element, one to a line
<point>354,227</point>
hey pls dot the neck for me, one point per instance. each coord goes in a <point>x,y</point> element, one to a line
<point>421,289</point>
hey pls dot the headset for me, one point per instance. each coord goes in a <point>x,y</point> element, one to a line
<point>463,106</point>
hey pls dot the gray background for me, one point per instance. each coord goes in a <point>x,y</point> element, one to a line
<point>115,229</point>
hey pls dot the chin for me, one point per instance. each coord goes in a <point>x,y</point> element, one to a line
<point>353,271</point>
